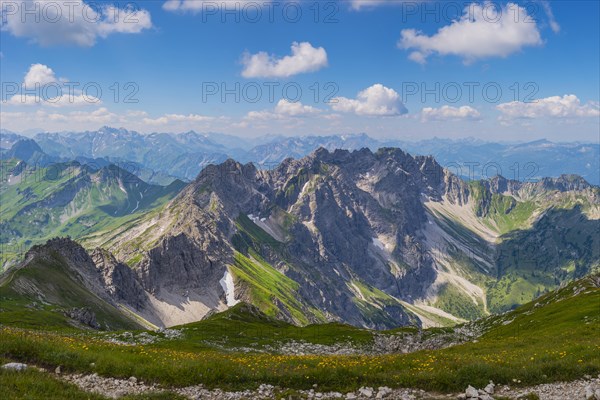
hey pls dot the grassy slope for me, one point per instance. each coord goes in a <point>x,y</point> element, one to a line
<point>543,241</point>
<point>455,302</point>
<point>269,288</point>
<point>561,246</point>
<point>61,291</point>
<point>32,384</point>
<point>248,327</point>
<point>112,199</point>
<point>556,341</point>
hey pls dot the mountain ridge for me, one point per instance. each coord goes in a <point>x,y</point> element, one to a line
<point>183,155</point>
<point>376,239</point>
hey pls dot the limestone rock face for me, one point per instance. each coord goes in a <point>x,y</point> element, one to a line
<point>120,281</point>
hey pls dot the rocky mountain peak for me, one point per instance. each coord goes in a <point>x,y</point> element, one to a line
<point>565,183</point>
<point>24,149</point>
<point>65,247</point>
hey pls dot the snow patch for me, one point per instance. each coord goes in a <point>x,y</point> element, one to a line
<point>229,288</point>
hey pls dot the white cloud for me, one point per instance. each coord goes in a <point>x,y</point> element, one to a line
<point>567,106</point>
<point>136,113</point>
<point>264,115</point>
<point>483,31</point>
<point>284,110</point>
<point>38,74</point>
<point>449,113</point>
<point>418,57</point>
<point>70,22</point>
<point>99,116</point>
<point>92,119</point>
<point>360,4</point>
<point>304,58</point>
<point>196,6</point>
<point>551,20</point>
<point>37,90</point>
<point>376,100</point>
<point>294,109</point>
<point>63,100</point>
<point>169,118</point>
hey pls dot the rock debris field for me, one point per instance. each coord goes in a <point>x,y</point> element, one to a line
<point>583,389</point>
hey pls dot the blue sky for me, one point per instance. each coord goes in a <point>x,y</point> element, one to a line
<point>373,58</point>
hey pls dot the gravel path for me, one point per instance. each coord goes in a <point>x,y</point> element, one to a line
<point>584,389</point>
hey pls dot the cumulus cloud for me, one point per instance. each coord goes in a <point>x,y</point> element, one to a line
<point>449,113</point>
<point>567,106</point>
<point>99,116</point>
<point>483,31</point>
<point>38,74</point>
<point>304,58</point>
<point>70,22</point>
<point>284,109</point>
<point>376,100</point>
<point>42,87</point>
<point>169,118</point>
<point>294,109</point>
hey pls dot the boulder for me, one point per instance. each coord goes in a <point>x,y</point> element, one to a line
<point>589,393</point>
<point>13,366</point>
<point>471,392</point>
<point>383,392</point>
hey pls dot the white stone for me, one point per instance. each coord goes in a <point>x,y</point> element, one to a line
<point>471,392</point>
<point>589,393</point>
<point>383,392</point>
<point>15,366</point>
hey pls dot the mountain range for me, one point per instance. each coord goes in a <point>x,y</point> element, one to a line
<point>162,157</point>
<point>374,239</point>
